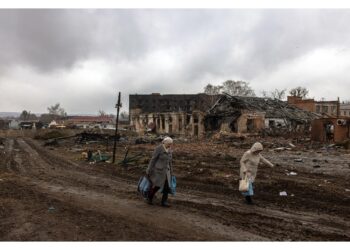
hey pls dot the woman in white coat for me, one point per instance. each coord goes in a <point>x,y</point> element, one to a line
<point>249,167</point>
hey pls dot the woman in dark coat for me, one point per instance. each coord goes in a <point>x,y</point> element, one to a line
<point>159,171</point>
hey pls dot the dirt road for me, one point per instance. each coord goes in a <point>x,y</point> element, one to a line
<point>45,195</point>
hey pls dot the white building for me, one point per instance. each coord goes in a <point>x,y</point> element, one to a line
<point>345,109</point>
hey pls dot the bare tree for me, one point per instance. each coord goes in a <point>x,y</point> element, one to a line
<point>26,115</point>
<point>278,94</point>
<point>56,110</point>
<point>264,93</point>
<point>124,115</point>
<point>299,92</point>
<point>212,90</point>
<point>237,88</point>
<point>102,113</point>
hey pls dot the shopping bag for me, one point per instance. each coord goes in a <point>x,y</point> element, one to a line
<point>144,186</point>
<point>172,188</point>
<point>173,185</point>
<point>243,185</point>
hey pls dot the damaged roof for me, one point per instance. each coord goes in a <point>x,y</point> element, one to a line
<point>171,103</point>
<point>229,105</point>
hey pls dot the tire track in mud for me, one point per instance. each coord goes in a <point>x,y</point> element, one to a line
<point>181,221</point>
<point>197,207</point>
<point>286,223</point>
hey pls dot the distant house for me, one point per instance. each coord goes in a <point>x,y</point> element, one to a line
<point>52,124</point>
<point>58,124</point>
<point>33,124</point>
<point>4,124</point>
<point>345,109</point>
<point>14,124</point>
<point>86,122</point>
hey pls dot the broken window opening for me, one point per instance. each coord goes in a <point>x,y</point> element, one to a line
<point>195,130</point>
<point>250,125</point>
<point>188,119</point>
<point>325,109</point>
<point>163,123</point>
<point>170,128</point>
<point>195,118</point>
<point>234,126</point>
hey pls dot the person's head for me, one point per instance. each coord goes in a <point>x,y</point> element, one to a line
<point>167,142</point>
<point>257,148</point>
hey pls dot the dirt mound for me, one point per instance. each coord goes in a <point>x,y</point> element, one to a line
<point>49,135</point>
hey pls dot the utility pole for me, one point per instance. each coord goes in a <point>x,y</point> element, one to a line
<point>118,106</point>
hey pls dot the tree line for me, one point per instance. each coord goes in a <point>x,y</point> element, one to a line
<point>241,88</point>
<point>56,112</point>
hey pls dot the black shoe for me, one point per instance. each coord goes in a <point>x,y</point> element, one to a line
<point>149,201</point>
<point>248,200</point>
<point>165,204</point>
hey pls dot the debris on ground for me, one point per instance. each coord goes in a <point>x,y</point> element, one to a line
<point>51,209</point>
<point>298,160</point>
<point>99,198</point>
<point>98,157</point>
<point>128,160</point>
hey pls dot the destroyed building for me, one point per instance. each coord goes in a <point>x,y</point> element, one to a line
<point>325,108</point>
<point>254,115</point>
<point>170,114</point>
<point>331,129</point>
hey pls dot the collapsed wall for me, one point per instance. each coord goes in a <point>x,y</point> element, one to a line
<point>254,115</point>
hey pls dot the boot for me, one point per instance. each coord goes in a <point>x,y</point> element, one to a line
<point>151,194</point>
<point>165,200</point>
<point>149,201</point>
<point>248,200</point>
<point>165,204</point>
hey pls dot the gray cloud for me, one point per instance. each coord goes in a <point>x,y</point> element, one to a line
<point>167,51</point>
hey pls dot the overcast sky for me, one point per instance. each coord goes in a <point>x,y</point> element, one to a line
<point>82,58</point>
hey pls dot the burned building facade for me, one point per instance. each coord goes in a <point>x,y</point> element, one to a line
<point>254,115</point>
<point>325,108</point>
<point>170,114</point>
<point>331,129</point>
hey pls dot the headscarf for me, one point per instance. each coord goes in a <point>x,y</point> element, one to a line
<point>257,147</point>
<point>167,140</point>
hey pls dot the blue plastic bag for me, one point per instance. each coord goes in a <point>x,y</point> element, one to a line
<point>173,185</point>
<point>144,186</point>
<point>250,191</point>
<point>172,188</point>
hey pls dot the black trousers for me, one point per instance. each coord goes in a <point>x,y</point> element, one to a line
<point>166,190</point>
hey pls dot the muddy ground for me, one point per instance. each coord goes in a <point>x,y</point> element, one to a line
<point>49,193</point>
